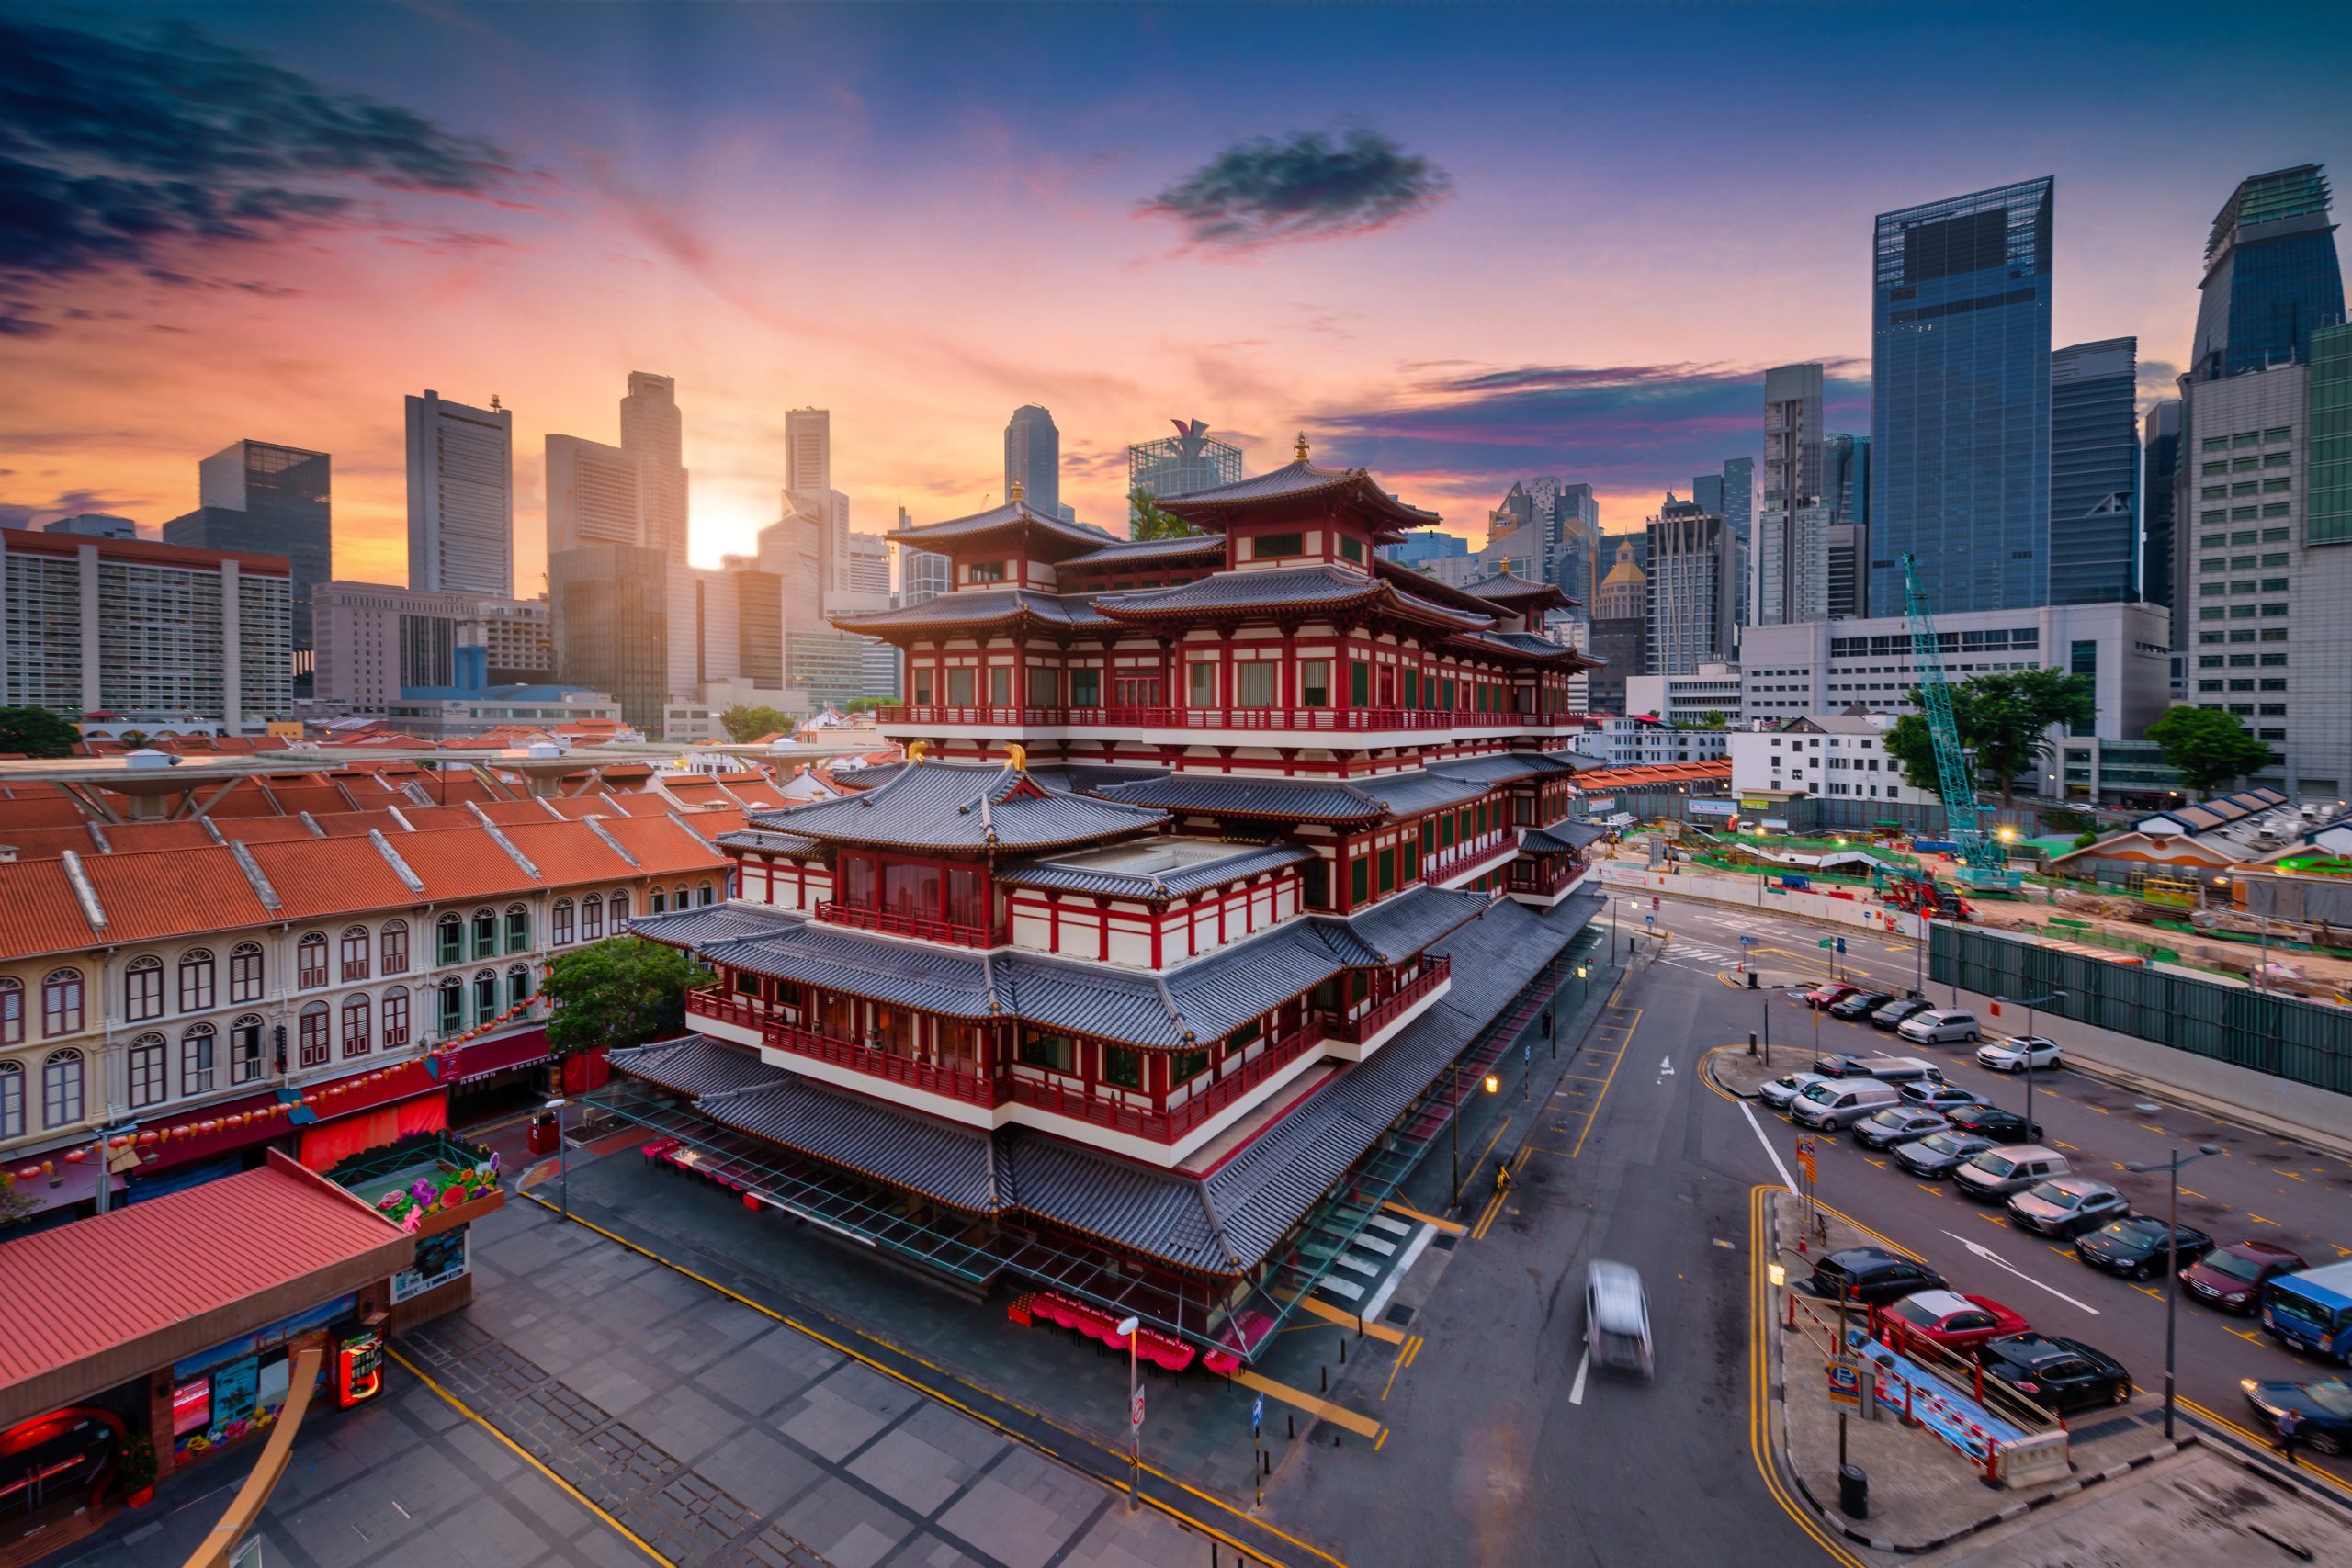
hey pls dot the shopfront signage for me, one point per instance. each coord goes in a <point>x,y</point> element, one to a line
<point>1746,805</point>
<point>1601,802</point>
<point>1714,808</point>
<point>439,1259</point>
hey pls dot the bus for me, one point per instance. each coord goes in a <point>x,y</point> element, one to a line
<point>2311,1311</point>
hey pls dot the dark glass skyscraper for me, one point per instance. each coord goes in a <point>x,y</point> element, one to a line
<point>1960,399</point>
<point>2159,462</point>
<point>2271,275</point>
<point>271,500</point>
<point>1032,459</point>
<point>2095,473</point>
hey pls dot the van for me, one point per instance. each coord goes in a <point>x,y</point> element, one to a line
<point>1939,1026</point>
<point>1836,1103</point>
<point>2311,1311</point>
<point>1616,1319</point>
<point>2012,1168</point>
<point>1901,1071</point>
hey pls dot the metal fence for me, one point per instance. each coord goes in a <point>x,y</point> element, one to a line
<point>2305,1042</point>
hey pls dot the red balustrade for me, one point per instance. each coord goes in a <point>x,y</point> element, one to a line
<point>1454,863</point>
<point>1381,1014</point>
<point>1341,720</point>
<point>920,926</point>
<point>969,1086</point>
<point>1535,876</point>
<point>1165,1126</point>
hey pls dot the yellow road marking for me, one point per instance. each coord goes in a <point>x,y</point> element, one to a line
<point>1450,1227</point>
<point>1337,1414</point>
<point>2192,1192</point>
<point>1331,1313</point>
<point>2266,1445</point>
<point>1887,1242</point>
<point>2258,1219</point>
<point>1758,1317</point>
<point>1591,1115</point>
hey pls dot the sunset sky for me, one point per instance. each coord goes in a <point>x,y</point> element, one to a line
<point>1459,245</point>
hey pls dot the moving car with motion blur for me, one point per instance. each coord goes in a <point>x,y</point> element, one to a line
<point>1616,1319</point>
<point>2325,1409</point>
<point>2137,1248</point>
<point>2060,1375</point>
<point>2230,1277</point>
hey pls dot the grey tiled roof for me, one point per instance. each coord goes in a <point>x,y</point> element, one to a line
<point>1158,1213</point>
<point>934,978</point>
<point>997,519</point>
<point>1322,587</point>
<point>1508,585</point>
<point>1524,644</point>
<point>1154,886</point>
<point>981,607</point>
<point>957,1165</point>
<point>695,1066</point>
<point>1145,552</point>
<point>1398,927</point>
<point>1292,800</point>
<point>767,843</point>
<point>1498,767</point>
<point>961,806</point>
<point>1560,837</point>
<point>1088,777</point>
<point>700,927</point>
<point>1292,481</point>
<point>1421,789</point>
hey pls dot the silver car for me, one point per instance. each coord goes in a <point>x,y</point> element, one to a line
<point>2068,1206</point>
<point>1616,1319</point>
<point>1787,1087</point>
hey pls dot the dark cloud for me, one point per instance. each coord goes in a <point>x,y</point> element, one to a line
<point>1265,192</point>
<point>65,504</point>
<point>131,149</point>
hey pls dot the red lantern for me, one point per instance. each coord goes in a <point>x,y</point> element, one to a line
<point>76,1156</point>
<point>208,1126</point>
<point>28,1173</point>
<point>148,1139</point>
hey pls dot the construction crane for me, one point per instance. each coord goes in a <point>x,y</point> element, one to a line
<point>1984,868</point>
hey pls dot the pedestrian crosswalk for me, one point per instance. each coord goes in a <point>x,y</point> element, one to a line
<point>1697,955</point>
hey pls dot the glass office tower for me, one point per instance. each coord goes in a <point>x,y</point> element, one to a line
<point>1960,399</point>
<point>2271,275</point>
<point>2094,472</point>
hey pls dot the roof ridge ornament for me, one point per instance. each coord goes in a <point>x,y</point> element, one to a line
<point>1020,492</point>
<point>1300,450</point>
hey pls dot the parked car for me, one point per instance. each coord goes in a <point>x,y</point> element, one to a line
<point>1938,1096</point>
<point>2230,1277</point>
<point>1861,1004</point>
<point>1958,1323</point>
<point>1902,1071</point>
<point>2010,1167</point>
<point>1841,1067</point>
<point>2068,1206</point>
<point>1896,1124</point>
<point>1870,1276</point>
<point>1938,1154</point>
<point>2136,1247</point>
<point>1616,1319</point>
<point>1939,1026</point>
<point>2058,1374</point>
<point>2010,1053</point>
<point>2325,1409</point>
<point>1787,1087</point>
<point>1823,995</point>
<point>1836,1103</point>
<point>1992,1122</point>
<point>1895,1012</point>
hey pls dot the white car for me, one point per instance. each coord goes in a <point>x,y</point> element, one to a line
<point>1939,1026</point>
<point>2013,1054</point>
<point>1787,1087</point>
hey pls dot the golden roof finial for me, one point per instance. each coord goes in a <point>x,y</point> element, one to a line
<point>1016,756</point>
<point>915,749</point>
<point>1506,571</point>
<point>1019,490</point>
<point>1301,448</point>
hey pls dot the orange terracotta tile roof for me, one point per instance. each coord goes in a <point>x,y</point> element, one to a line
<point>309,796</point>
<point>468,864</point>
<point>38,912</point>
<point>47,843</point>
<point>515,812</point>
<point>315,878</point>
<point>246,797</point>
<point>171,893</point>
<point>695,790</point>
<point>128,837</point>
<point>710,824</point>
<point>433,818</point>
<point>664,847</point>
<point>347,824</point>
<point>264,830</point>
<point>44,807</point>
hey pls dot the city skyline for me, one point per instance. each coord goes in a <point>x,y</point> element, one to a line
<point>509,221</point>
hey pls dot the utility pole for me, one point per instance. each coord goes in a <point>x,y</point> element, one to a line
<point>2172,1261</point>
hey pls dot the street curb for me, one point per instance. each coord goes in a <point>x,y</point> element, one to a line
<point>1719,1083</point>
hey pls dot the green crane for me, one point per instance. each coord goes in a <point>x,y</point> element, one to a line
<point>1984,868</point>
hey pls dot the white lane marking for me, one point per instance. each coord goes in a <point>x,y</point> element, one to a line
<point>1576,1389</point>
<point>1989,1256</point>
<point>1770,1153</point>
<point>1665,1068</point>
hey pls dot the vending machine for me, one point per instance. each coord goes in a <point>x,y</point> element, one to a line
<point>358,1365</point>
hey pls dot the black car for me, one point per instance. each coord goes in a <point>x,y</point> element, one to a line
<point>2057,1375</point>
<point>1870,1276</point>
<point>2136,1247</point>
<point>1992,1122</point>
<point>1938,1154</point>
<point>2325,1409</point>
<point>1892,1014</point>
<point>1861,1004</point>
<point>1841,1067</point>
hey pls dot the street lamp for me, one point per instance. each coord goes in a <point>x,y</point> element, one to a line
<point>2172,1259</point>
<point>562,1158</point>
<point>2028,1004</point>
<point>1126,1328</point>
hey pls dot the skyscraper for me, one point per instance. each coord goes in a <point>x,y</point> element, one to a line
<point>460,498</point>
<point>808,450</point>
<point>1032,459</point>
<point>2159,466</point>
<point>1960,398</point>
<point>808,494</point>
<point>652,434</point>
<point>1694,582</point>
<point>1846,490</point>
<point>594,496</point>
<point>2271,275</point>
<point>266,499</point>
<point>1190,460</point>
<point>2094,473</point>
<point>1792,543</point>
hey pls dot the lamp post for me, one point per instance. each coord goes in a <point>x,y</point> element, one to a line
<point>1127,1327</point>
<point>2172,1259</point>
<point>562,1158</point>
<point>2029,1004</point>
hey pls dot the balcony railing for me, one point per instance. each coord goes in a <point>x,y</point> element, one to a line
<point>1536,877</point>
<point>968,1086</point>
<point>1165,1126</point>
<point>1331,720</point>
<point>1467,857</point>
<point>920,926</point>
<point>1381,1014</point>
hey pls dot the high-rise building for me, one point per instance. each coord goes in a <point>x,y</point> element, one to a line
<point>869,568</point>
<point>1033,457</point>
<point>1620,635</point>
<point>1549,532</point>
<point>1190,460</point>
<point>611,624</point>
<point>653,434</point>
<point>1960,399</point>
<point>376,640</point>
<point>1845,488</point>
<point>460,498</point>
<point>2271,275</point>
<point>1422,545</point>
<point>922,574</point>
<point>1790,554</point>
<point>2159,466</point>
<point>2095,473</point>
<point>1792,434</point>
<point>808,450</point>
<point>156,634</point>
<point>593,496</point>
<point>94,525</point>
<point>1693,582</point>
<point>259,498</point>
<point>809,495</point>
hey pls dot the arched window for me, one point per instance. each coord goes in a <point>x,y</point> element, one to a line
<point>395,947</point>
<point>518,929</point>
<point>705,893</point>
<point>449,939</point>
<point>357,1039</point>
<point>310,960</point>
<point>518,984</point>
<point>485,933</point>
<point>451,1010</point>
<point>661,900</point>
<point>12,1100</point>
<point>196,1047</point>
<point>244,1049</point>
<point>245,972</point>
<point>592,918</point>
<point>61,1087</point>
<point>143,989</point>
<point>147,1084</point>
<point>395,1019</point>
<point>617,910</point>
<point>12,1012</point>
<point>354,952</point>
<point>313,1036</point>
<point>560,918</point>
<point>485,996</point>
<point>60,1013</point>
<point>195,980</point>
<point>678,896</point>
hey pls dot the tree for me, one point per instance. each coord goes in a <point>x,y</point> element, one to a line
<point>746,722</point>
<point>14,1205</point>
<point>2211,747</point>
<point>620,991</point>
<point>38,732</point>
<point>865,704</point>
<point>1148,522</point>
<point>2003,720</point>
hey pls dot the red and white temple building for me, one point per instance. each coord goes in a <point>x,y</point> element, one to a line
<point>1138,981</point>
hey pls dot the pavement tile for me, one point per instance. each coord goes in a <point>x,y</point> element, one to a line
<point>761,1471</point>
<point>830,1419</point>
<point>862,1547</point>
<point>910,1471</point>
<point>1008,1525</point>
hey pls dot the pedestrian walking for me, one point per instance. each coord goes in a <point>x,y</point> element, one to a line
<point>1547,1023</point>
<point>1502,1180</point>
<point>2290,1425</point>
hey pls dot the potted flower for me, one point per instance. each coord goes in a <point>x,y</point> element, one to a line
<point>138,1472</point>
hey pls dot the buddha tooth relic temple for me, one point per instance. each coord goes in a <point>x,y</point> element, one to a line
<point>1142,981</point>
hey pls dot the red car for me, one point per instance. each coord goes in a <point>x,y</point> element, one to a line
<point>2231,1277</point>
<point>1957,1323</point>
<point>1823,996</point>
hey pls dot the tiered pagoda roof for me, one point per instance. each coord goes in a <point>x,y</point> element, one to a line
<point>961,806</point>
<point>1352,489</point>
<point>1147,552</point>
<point>1323,588</point>
<point>983,610</point>
<point>1047,535</point>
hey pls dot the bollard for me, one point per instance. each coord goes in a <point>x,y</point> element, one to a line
<point>1291,1421</point>
<point>1751,1042</point>
<point>1344,1349</point>
<point>1267,1459</point>
<point>1327,1379</point>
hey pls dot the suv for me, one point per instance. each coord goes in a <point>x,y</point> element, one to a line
<point>1895,1012</point>
<point>1834,1104</point>
<point>2058,1374</point>
<point>1616,1319</point>
<point>1872,1276</point>
<point>2068,1206</point>
<point>1939,1026</point>
<point>2011,1167</point>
